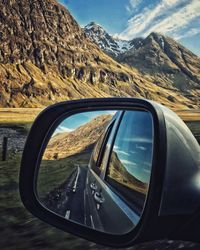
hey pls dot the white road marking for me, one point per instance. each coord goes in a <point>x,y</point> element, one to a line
<point>84,202</point>
<point>92,222</point>
<point>67,214</point>
<point>76,180</point>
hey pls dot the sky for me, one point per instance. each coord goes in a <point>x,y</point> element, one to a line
<point>73,122</point>
<point>128,19</point>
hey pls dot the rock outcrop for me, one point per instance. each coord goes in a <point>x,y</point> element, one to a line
<point>46,57</point>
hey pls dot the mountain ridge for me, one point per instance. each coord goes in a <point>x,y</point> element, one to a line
<point>80,140</point>
<point>46,57</point>
<point>112,46</point>
<point>169,64</point>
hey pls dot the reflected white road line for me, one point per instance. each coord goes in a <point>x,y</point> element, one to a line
<point>67,214</point>
<point>84,200</point>
<point>76,180</point>
<point>92,222</point>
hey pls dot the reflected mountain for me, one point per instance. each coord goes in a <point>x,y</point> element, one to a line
<point>81,140</point>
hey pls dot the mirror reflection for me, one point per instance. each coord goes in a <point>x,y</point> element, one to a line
<point>96,169</point>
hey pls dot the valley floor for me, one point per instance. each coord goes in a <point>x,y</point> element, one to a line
<point>27,115</point>
<point>18,115</point>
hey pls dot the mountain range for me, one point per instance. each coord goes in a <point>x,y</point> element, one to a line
<point>168,63</point>
<point>46,57</point>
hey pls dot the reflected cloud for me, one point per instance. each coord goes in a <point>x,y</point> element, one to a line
<point>62,129</point>
<point>126,162</point>
<point>147,171</point>
<point>121,152</point>
<point>138,139</point>
<point>141,148</point>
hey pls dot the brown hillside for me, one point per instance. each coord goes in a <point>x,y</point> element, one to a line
<point>168,63</point>
<point>80,140</point>
<point>46,57</point>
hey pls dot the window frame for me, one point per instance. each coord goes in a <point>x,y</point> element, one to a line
<point>95,165</point>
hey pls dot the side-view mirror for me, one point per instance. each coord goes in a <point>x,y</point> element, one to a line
<point>116,171</point>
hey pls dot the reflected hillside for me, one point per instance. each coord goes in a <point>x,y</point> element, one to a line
<point>81,140</point>
<point>119,173</point>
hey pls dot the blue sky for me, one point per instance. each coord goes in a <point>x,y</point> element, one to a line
<point>128,19</point>
<point>73,122</point>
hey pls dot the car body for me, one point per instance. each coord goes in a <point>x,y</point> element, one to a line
<point>109,183</point>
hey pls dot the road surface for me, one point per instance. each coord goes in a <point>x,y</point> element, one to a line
<point>68,199</point>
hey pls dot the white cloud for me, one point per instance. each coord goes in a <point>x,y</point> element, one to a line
<point>120,152</point>
<point>133,5</point>
<point>62,129</point>
<point>138,140</point>
<point>128,8</point>
<point>178,20</point>
<point>189,33</point>
<point>168,17</point>
<point>141,148</point>
<point>126,162</point>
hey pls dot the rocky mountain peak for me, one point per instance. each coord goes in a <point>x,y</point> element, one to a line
<point>111,45</point>
<point>94,26</point>
<point>45,57</point>
<point>156,37</point>
<point>169,64</point>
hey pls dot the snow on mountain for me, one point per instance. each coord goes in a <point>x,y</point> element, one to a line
<point>106,42</point>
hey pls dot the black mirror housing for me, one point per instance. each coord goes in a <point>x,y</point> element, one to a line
<point>172,205</point>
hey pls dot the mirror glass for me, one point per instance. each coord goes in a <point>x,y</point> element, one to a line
<point>96,169</point>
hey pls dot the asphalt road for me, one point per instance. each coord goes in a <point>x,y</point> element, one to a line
<point>75,193</point>
<point>67,200</point>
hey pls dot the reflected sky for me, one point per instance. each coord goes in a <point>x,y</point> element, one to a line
<point>135,164</point>
<point>134,144</point>
<point>73,122</point>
